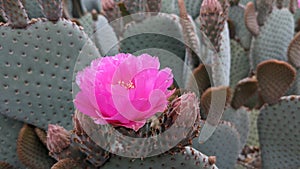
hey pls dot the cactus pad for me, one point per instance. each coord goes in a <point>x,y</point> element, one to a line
<point>225,134</point>
<point>253,134</point>
<point>274,38</point>
<point>220,95</point>
<point>31,89</point>
<point>236,14</point>
<point>9,131</point>
<point>15,13</point>
<point>52,9</point>
<point>31,152</point>
<point>4,165</point>
<point>278,129</point>
<point>240,119</point>
<point>275,72</point>
<point>294,51</point>
<point>188,158</point>
<point>66,164</point>
<point>201,76</point>
<point>251,19</point>
<point>33,8</point>
<point>243,91</point>
<point>240,64</point>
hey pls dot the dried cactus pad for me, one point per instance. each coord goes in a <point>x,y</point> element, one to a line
<point>9,131</point>
<point>66,164</point>
<point>189,158</point>
<point>279,134</point>
<point>31,151</point>
<point>274,79</point>
<point>36,66</point>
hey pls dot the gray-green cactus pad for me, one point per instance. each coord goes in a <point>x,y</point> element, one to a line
<point>36,66</point>
<point>236,14</point>
<point>101,33</point>
<point>253,134</point>
<point>160,36</point>
<point>9,131</point>
<point>274,37</point>
<point>189,158</point>
<point>224,144</point>
<point>192,7</point>
<point>33,8</point>
<point>240,119</point>
<point>279,134</point>
<point>240,64</point>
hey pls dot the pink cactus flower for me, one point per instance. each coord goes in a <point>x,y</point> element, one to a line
<point>123,90</point>
<point>298,3</point>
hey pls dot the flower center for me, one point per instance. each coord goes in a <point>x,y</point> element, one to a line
<point>128,85</point>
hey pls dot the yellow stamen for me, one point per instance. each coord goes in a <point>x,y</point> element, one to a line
<point>128,85</point>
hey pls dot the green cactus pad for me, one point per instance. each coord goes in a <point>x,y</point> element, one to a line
<point>105,38</point>
<point>192,7</point>
<point>279,131</point>
<point>160,36</point>
<point>274,37</point>
<point>189,158</point>
<point>236,14</point>
<point>161,31</point>
<point>224,144</point>
<point>31,151</point>
<point>9,131</point>
<point>240,64</point>
<point>294,51</point>
<point>297,83</point>
<point>240,119</point>
<point>36,68</point>
<point>33,8</point>
<point>253,134</point>
<point>89,5</point>
<point>101,33</point>
<point>15,13</point>
<point>66,164</point>
<point>244,2</point>
<point>52,9</point>
<point>221,66</point>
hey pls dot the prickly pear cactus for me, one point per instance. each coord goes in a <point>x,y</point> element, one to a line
<point>240,119</point>
<point>253,139</point>
<point>160,36</point>
<point>278,129</point>
<point>9,132</point>
<point>240,66</point>
<point>37,63</point>
<point>236,15</point>
<point>171,6</point>
<point>225,134</point>
<point>188,157</point>
<point>274,37</point>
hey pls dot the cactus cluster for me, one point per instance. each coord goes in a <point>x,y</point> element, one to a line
<point>236,69</point>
